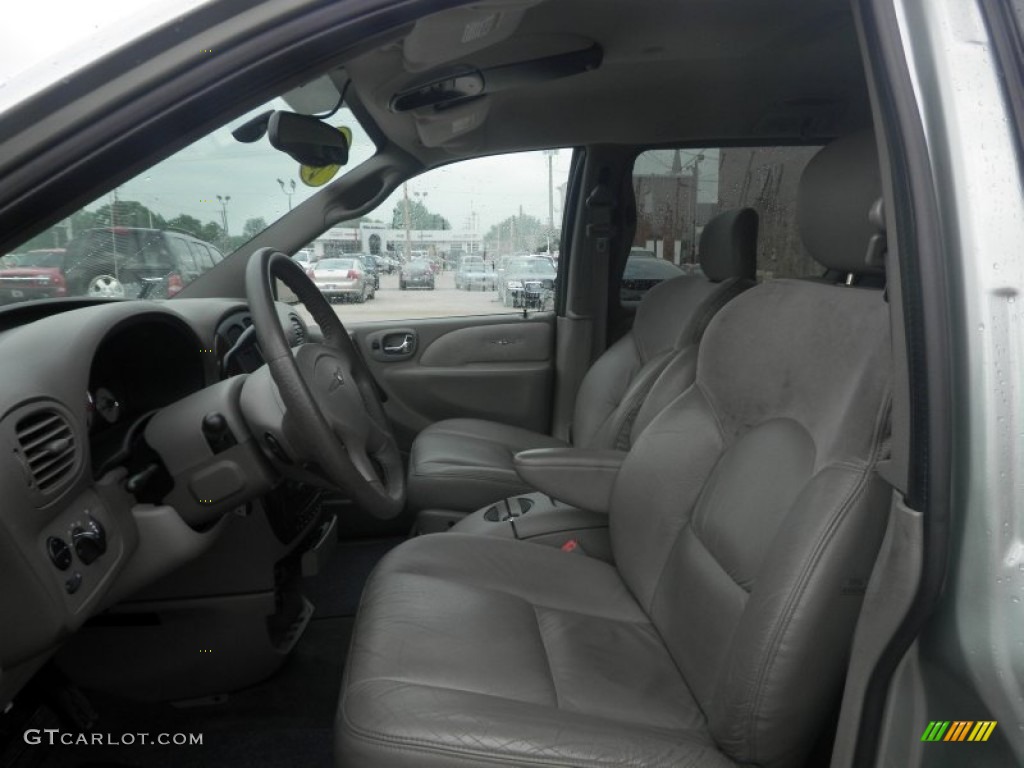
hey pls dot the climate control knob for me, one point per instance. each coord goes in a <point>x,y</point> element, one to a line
<point>89,542</point>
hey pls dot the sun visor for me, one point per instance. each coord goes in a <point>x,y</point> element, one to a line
<point>437,128</point>
<point>454,34</point>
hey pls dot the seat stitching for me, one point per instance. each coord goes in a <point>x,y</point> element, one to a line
<point>407,741</point>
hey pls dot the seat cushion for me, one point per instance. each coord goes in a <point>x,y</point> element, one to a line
<point>464,464</point>
<point>478,651</point>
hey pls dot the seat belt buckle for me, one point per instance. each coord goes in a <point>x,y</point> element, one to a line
<point>574,547</point>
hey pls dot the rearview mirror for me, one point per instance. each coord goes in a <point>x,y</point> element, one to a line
<point>308,140</point>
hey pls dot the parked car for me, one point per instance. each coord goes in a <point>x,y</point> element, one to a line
<point>370,265</point>
<point>130,262</point>
<point>473,274</point>
<point>527,282</point>
<point>643,271</point>
<point>344,278</point>
<point>418,273</point>
<point>37,274</point>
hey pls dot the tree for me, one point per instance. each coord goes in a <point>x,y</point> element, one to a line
<point>420,217</point>
<point>128,213</point>
<point>185,223</point>
<point>253,227</point>
<point>212,232</point>
<point>517,233</point>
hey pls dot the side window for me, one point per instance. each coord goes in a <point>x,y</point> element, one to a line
<point>182,255</point>
<point>203,256</point>
<point>477,237</point>
<point>679,190</point>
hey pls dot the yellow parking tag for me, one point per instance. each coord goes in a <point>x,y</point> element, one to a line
<point>313,176</point>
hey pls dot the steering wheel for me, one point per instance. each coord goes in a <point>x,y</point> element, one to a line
<point>332,413</point>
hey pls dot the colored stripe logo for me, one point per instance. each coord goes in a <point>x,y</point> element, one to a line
<point>958,730</point>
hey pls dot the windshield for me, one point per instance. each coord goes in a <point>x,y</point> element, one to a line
<point>157,232</point>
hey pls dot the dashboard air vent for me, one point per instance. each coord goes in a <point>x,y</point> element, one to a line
<point>48,446</point>
<point>298,331</point>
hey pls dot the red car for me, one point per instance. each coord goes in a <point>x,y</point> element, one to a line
<point>37,274</point>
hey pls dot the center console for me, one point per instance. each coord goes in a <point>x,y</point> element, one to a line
<point>541,519</point>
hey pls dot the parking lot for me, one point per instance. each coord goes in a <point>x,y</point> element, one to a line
<point>390,303</point>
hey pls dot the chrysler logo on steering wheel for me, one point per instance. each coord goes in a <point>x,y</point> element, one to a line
<point>337,380</point>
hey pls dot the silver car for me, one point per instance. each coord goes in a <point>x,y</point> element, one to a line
<point>474,275</point>
<point>342,278</point>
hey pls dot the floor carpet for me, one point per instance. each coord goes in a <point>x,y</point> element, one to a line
<point>285,721</point>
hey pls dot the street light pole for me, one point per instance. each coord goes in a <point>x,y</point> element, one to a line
<point>223,212</point>
<point>288,191</point>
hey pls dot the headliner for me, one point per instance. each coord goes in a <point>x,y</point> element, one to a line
<point>674,71</point>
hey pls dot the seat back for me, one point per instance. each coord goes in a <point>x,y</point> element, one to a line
<point>649,366</point>
<point>747,518</point>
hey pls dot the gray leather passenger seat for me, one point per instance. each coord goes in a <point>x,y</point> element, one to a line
<point>464,464</point>
<point>745,521</point>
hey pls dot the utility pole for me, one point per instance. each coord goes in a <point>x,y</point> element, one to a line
<point>693,209</point>
<point>408,223</point>
<point>550,154</point>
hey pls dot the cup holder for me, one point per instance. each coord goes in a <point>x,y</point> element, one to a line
<point>507,509</point>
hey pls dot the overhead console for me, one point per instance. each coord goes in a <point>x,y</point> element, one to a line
<point>442,90</point>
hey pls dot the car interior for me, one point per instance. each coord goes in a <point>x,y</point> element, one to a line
<point>596,532</point>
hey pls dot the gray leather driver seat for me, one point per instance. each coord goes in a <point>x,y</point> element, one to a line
<point>745,522</point>
<point>464,464</point>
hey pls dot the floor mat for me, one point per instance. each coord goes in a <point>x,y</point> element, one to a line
<point>285,721</point>
<point>335,591</point>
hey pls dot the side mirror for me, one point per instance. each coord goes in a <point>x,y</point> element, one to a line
<point>307,139</point>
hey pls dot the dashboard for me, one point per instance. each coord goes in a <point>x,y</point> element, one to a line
<point>78,389</point>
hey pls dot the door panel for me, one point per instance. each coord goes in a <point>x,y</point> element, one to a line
<point>489,367</point>
<point>515,342</point>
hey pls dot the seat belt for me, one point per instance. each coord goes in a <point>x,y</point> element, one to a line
<point>599,232</point>
<point>895,470</point>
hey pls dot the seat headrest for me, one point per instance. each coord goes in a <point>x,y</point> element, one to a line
<point>728,245</point>
<point>837,189</point>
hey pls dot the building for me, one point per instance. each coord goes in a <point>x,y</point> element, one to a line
<point>377,237</point>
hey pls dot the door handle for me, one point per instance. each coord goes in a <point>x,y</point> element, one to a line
<point>402,348</point>
<point>392,345</point>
